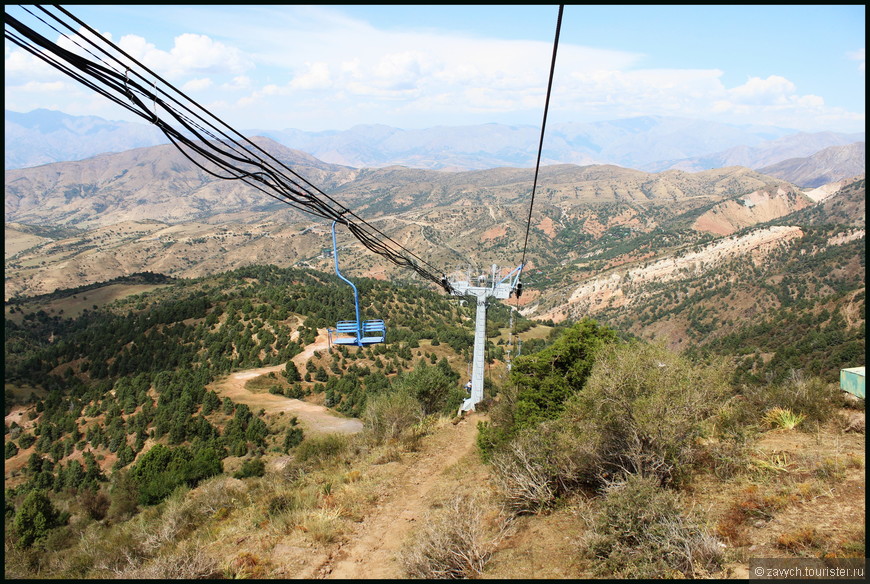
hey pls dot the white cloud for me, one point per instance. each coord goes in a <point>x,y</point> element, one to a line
<point>657,91</point>
<point>20,62</point>
<point>316,76</point>
<point>857,56</point>
<point>190,55</point>
<point>775,101</point>
<point>315,61</point>
<point>197,84</point>
<point>198,52</point>
<point>43,86</point>
<point>756,91</point>
<point>238,83</point>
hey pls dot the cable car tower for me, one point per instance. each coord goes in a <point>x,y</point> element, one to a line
<point>500,289</point>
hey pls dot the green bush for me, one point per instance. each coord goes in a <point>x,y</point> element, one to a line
<point>642,532</point>
<point>435,387</point>
<point>253,467</point>
<point>540,383</point>
<point>160,470</point>
<point>26,441</point>
<point>292,437</point>
<point>291,372</point>
<point>35,518</point>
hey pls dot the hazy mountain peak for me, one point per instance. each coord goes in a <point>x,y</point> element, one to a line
<point>649,143</point>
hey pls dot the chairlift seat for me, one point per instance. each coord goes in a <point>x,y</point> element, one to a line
<point>355,332</point>
<point>373,331</point>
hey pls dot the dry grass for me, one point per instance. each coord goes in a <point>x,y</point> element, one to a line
<point>246,566</point>
<point>323,525</point>
<point>797,480</point>
<point>641,530</point>
<point>802,540</point>
<point>453,543</point>
<point>189,562</point>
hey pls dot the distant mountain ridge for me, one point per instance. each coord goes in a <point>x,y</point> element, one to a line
<point>648,143</point>
<point>160,183</point>
<point>823,167</point>
<point>46,136</point>
<point>154,183</point>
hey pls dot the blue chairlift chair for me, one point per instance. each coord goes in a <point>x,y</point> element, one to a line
<point>355,332</point>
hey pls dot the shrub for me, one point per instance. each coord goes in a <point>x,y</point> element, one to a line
<point>388,416</point>
<point>644,410</point>
<point>453,543</point>
<point>435,387</point>
<point>124,497</point>
<point>253,467</point>
<point>537,467</point>
<point>293,436</point>
<point>35,518</point>
<point>321,449</point>
<point>642,532</point>
<point>94,502</point>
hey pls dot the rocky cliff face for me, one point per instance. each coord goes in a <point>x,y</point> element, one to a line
<point>756,207</point>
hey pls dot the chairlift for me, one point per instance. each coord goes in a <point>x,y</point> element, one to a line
<point>354,332</point>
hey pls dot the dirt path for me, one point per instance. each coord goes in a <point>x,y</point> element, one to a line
<point>321,343</point>
<point>433,474</point>
<point>314,418</point>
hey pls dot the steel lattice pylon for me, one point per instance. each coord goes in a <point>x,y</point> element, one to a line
<point>500,290</point>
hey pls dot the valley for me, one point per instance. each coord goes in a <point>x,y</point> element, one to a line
<point>645,252</point>
<point>169,385</point>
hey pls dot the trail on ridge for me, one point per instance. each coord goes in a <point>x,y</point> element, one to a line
<point>434,472</point>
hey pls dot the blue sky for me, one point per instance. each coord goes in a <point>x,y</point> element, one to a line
<point>330,67</point>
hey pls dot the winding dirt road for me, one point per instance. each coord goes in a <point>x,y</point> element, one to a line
<point>314,418</point>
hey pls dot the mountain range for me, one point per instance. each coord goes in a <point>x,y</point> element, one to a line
<point>603,240</point>
<point>649,143</point>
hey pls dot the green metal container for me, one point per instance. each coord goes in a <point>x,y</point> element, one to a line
<point>852,380</point>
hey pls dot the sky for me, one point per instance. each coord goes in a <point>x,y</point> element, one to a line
<point>332,67</point>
